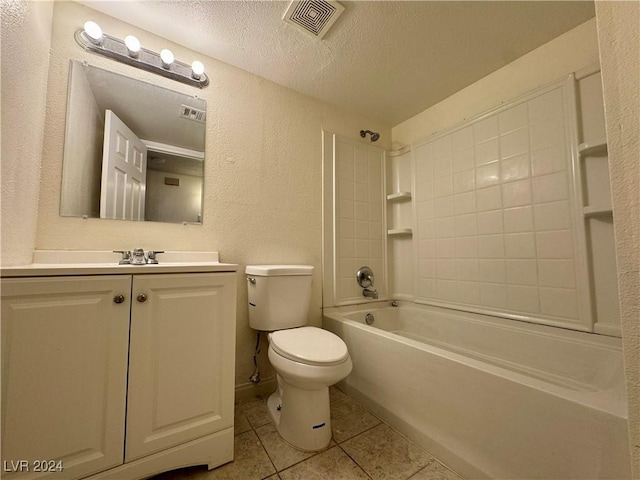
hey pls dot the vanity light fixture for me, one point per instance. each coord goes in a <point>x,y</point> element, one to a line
<point>93,32</point>
<point>129,51</point>
<point>167,57</point>
<point>133,46</point>
<point>197,69</point>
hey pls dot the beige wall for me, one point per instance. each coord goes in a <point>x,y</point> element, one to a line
<point>26,32</point>
<point>619,40</point>
<point>82,150</point>
<point>173,203</point>
<point>576,49</point>
<point>263,166</point>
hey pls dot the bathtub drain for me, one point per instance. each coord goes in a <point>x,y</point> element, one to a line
<point>369,319</point>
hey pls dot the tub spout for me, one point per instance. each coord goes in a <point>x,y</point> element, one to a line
<point>370,292</point>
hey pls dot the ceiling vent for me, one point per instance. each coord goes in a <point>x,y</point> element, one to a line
<point>313,17</point>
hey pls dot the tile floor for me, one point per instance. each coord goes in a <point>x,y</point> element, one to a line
<point>362,448</point>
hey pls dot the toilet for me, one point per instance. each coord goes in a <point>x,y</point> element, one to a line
<point>307,360</point>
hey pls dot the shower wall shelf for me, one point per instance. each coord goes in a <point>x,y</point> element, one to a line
<point>400,231</point>
<point>396,197</point>
<point>596,211</point>
<point>589,148</point>
<point>592,199</point>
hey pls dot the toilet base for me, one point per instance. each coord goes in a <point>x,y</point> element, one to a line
<point>303,419</point>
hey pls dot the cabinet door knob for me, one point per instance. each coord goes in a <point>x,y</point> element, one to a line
<point>118,299</point>
<point>142,298</point>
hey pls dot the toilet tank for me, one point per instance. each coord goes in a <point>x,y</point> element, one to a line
<point>279,295</point>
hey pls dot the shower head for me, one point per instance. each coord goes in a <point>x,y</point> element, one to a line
<point>374,136</point>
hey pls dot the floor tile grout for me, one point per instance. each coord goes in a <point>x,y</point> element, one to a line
<point>340,444</point>
<point>264,448</point>
<point>355,461</point>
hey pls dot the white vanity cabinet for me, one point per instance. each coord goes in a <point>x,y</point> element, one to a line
<point>117,376</point>
<point>64,373</point>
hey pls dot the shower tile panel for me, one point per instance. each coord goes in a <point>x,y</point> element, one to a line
<point>487,152</point>
<point>549,160</point>
<point>552,216</point>
<point>554,244</point>
<point>513,119</point>
<point>489,222</point>
<point>485,129</point>
<point>520,245</point>
<point>494,218</point>
<point>359,212</point>
<point>515,168</point>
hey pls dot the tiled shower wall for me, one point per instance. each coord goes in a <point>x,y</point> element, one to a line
<point>493,203</point>
<point>359,217</point>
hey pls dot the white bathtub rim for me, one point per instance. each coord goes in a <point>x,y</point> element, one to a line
<point>595,339</point>
<point>611,401</point>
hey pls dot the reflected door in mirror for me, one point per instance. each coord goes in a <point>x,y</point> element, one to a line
<point>124,171</point>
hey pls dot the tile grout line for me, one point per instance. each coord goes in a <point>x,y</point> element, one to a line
<point>360,433</point>
<point>264,448</point>
<point>340,444</point>
<point>356,462</point>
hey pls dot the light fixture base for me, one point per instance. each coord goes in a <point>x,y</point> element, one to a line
<point>116,49</point>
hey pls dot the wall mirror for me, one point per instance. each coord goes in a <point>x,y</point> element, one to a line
<point>133,150</point>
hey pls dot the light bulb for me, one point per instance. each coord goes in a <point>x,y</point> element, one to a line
<point>167,58</point>
<point>197,69</point>
<point>133,45</point>
<point>93,31</point>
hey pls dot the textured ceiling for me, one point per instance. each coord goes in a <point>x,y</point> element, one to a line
<point>387,59</point>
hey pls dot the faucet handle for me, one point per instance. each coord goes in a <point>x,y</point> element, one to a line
<point>364,276</point>
<point>151,256</point>
<point>126,257</point>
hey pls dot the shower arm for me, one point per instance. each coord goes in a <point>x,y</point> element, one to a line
<point>374,135</point>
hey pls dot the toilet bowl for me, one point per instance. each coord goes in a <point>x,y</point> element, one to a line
<point>307,360</point>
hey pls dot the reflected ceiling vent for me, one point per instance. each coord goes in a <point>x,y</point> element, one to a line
<point>313,17</point>
<point>194,114</point>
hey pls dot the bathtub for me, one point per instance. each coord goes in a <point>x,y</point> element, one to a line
<point>490,397</point>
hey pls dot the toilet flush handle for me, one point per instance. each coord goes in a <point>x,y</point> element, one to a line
<point>251,280</point>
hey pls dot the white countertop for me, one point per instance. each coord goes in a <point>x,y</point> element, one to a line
<point>64,262</point>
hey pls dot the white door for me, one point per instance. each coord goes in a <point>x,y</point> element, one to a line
<point>64,374</point>
<point>181,363</point>
<point>124,172</point>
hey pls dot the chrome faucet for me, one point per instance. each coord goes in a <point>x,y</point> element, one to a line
<point>138,257</point>
<point>364,276</point>
<point>370,292</point>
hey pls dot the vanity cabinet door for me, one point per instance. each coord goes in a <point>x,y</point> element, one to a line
<point>181,365</point>
<point>64,371</point>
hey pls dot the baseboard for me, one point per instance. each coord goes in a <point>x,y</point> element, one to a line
<point>266,386</point>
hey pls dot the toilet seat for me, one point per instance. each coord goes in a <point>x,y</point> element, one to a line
<point>309,345</point>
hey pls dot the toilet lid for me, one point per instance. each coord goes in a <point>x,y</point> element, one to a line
<point>309,345</point>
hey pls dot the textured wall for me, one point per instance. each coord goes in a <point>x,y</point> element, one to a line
<point>83,149</point>
<point>262,199</point>
<point>26,30</point>
<point>619,39</point>
<point>576,49</point>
